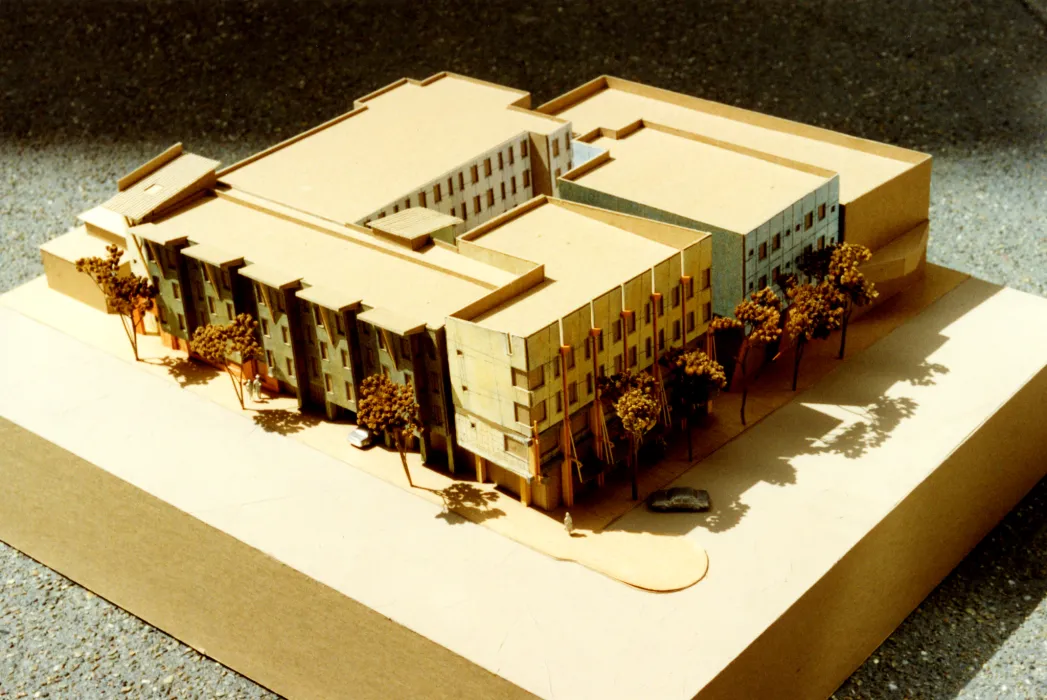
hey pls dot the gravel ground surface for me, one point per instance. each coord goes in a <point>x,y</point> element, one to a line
<point>89,90</point>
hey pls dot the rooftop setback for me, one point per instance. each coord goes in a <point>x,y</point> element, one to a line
<point>347,168</point>
<point>416,227</point>
<point>706,181</point>
<point>614,103</point>
<point>584,257</point>
<point>884,189</point>
<point>223,229</point>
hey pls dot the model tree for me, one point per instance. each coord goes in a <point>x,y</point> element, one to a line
<point>215,343</point>
<point>390,408</point>
<point>758,317</point>
<point>816,311</point>
<point>639,412</point>
<point>612,388</point>
<point>814,264</point>
<point>130,296</point>
<point>844,274</point>
<point>696,380</point>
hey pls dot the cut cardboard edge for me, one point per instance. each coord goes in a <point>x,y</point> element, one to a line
<point>220,596</point>
<point>932,542</point>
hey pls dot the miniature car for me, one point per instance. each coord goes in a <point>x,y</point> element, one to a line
<point>679,499</point>
<point>361,438</point>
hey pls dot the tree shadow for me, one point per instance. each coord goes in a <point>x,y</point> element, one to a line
<point>800,428</point>
<point>923,373</point>
<point>185,371</point>
<point>283,421</point>
<point>858,438</point>
<point>879,418</point>
<point>465,501</point>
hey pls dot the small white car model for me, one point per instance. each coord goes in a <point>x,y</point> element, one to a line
<point>361,438</point>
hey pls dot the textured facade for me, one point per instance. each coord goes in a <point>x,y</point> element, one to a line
<point>497,260</point>
<point>763,211</point>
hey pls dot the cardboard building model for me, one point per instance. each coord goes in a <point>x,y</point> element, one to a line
<point>500,260</point>
<point>497,259</point>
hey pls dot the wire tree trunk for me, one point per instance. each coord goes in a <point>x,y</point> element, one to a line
<point>401,447</point>
<point>238,386</point>
<point>686,421</point>
<point>132,336</point>
<point>801,343</point>
<point>634,457</point>
<point>745,381</point>
<point>843,330</point>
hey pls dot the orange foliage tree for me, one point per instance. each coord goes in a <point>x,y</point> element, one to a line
<point>844,274</point>
<point>639,411</point>
<point>215,343</point>
<point>128,295</point>
<point>387,407</point>
<point>816,311</point>
<point>696,379</point>
<point>759,317</point>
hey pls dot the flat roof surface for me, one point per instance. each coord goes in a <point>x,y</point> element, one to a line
<point>617,106</point>
<point>405,138</point>
<point>75,244</point>
<point>379,279</point>
<point>706,183</point>
<point>583,259</point>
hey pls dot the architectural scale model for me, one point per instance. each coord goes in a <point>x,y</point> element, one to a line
<point>510,265</point>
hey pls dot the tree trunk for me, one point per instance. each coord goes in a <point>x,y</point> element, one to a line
<point>238,387</point>
<point>843,332</point>
<point>745,382</point>
<point>401,447</point>
<point>800,343</point>
<point>132,337</point>
<point>634,458</point>
<point>690,442</point>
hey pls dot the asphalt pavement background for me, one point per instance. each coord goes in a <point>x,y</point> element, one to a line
<point>89,90</point>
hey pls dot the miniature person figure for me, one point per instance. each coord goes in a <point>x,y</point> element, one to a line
<point>256,387</point>
<point>568,523</point>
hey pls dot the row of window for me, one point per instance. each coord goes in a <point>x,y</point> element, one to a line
<point>776,239</point>
<point>536,377</point>
<point>439,192</point>
<point>776,273</point>
<point>536,414</point>
<point>478,202</point>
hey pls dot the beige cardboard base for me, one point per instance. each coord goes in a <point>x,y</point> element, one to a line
<point>213,592</point>
<point>833,517</point>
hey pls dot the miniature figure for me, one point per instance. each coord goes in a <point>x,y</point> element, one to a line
<point>568,523</point>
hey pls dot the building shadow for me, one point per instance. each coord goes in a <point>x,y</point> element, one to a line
<point>283,421</point>
<point>185,371</point>
<point>465,501</point>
